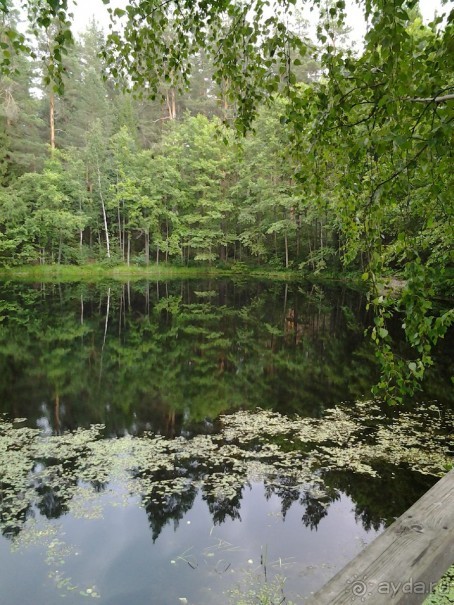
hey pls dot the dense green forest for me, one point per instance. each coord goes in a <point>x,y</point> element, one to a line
<point>94,175</point>
<point>244,143</point>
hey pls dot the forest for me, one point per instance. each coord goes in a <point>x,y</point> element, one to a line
<point>224,134</point>
<point>226,285</point>
<point>96,175</point>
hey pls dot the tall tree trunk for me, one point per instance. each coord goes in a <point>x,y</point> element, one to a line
<point>286,249</point>
<point>169,107</point>
<point>171,104</point>
<point>310,252</point>
<point>174,105</point>
<point>147,247</point>
<point>106,323</point>
<point>147,299</point>
<point>119,231</point>
<point>298,235</point>
<point>122,296</point>
<point>124,231</point>
<point>285,302</point>
<point>104,215</point>
<point>52,119</point>
<point>81,231</point>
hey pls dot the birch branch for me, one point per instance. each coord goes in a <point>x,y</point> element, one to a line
<point>441,99</point>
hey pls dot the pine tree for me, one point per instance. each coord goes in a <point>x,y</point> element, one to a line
<point>21,147</point>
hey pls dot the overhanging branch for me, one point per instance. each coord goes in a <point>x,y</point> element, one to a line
<point>441,99</point>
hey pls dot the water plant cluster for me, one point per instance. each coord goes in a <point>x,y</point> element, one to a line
<point>67,473</point>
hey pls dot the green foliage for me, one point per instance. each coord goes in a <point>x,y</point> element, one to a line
<point>346,158</point>
<point>46,208</point>
<point>443,593</point>
<point>260,591</point>
<point>389,124</point>
<point>42,16</point>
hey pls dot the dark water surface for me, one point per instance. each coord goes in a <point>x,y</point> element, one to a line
<point>168,359</point>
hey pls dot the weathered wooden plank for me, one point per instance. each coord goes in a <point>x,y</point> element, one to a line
<point>402,565</point>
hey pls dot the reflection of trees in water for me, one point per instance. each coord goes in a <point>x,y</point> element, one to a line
<point>169,362</point>
<point>14,517</point>
<point>54,475</point>
<point>221,507</point>
<point>315,508</point>
<point>50,504</point>
<point>379,500</point>
<point>164,508</point>
<point>171,494</point>
<point>172,358</point>
<point>54,487</point>
<point>375,505</point>
<point>285,491</point>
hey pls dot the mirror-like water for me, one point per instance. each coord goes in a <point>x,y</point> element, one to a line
<point>182,492</point>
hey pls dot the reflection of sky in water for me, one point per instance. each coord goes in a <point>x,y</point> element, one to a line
<point>115,555</point>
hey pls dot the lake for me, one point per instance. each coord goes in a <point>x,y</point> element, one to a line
<point>199,442</point>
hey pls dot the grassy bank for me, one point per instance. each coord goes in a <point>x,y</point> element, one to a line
<point>93,272</point>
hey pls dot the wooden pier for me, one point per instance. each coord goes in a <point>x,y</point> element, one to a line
<point>403,564</point>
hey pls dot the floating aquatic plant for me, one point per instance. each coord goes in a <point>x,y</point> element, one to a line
<point>68,473</point>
